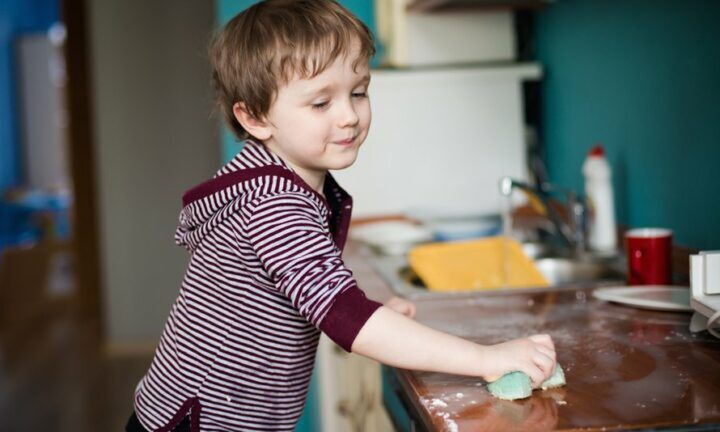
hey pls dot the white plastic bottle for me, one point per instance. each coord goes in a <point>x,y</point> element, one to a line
<point>599,191</point>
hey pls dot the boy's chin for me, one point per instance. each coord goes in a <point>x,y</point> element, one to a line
<point>345,161</point>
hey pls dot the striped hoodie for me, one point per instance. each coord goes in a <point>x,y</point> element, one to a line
<point>265,276</point>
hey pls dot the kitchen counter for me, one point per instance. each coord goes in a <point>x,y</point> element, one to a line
<point>626,368</point>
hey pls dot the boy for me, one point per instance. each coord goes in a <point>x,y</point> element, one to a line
<point>266,234</point>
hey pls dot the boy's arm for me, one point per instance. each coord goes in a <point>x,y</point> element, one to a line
<point>396,340</point>
<point>286,232</point>
<point>287,235</point>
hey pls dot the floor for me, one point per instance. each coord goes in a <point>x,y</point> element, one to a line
<point>55,374</point>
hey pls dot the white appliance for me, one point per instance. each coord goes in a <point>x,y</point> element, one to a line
<point>440,138</point>
<point>705,283</point>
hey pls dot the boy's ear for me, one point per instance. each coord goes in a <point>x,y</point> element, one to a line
<point>258,128</point>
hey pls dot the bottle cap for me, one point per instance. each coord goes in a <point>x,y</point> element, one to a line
<point>597,151</point>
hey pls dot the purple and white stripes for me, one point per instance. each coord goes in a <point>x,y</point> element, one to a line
<point>265,274</point>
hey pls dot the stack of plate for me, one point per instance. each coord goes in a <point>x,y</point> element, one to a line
<point>391,237</point>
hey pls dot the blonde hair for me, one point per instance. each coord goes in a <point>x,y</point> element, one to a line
<point>265,46</point>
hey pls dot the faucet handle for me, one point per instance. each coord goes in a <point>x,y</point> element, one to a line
<point>506,186</point>
<point>578,209</point>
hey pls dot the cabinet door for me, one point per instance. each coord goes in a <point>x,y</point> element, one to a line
<point>442,138</point>
<point>350,391</point>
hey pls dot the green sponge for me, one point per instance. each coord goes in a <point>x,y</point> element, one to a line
<point>511,386</point>
<point>516,385</point>
<point>557,379</point>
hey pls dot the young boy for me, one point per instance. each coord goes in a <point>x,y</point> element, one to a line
<point>266,235</point>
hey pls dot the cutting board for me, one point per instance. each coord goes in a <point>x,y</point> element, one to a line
<point>489,263</point>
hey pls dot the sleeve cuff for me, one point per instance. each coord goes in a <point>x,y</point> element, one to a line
<point>347,316</point>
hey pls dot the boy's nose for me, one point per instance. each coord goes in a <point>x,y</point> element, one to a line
<point>348,116</point>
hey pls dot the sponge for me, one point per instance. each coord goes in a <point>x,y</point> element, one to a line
<point>511,386</point>
<point>557,379</point>
<point>516,385</point>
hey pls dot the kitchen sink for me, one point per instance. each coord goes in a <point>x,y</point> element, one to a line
<point>560,272</point>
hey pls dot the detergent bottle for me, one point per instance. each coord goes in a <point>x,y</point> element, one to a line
<point>599,191</point>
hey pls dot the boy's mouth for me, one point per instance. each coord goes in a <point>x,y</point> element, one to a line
<point>347,141</point>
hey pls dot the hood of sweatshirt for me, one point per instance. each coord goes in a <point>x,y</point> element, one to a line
<point>206,205</point>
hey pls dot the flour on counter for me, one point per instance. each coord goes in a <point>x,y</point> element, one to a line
<point>450,424</point>
<point>436,403</point>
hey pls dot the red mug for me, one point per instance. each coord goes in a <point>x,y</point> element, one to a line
<point>649,255</point>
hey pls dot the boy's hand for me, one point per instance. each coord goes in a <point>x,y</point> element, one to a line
<point>534,355</point>
<point>401,306</point>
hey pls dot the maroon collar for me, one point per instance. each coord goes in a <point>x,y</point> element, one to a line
<point>224,181</point>
<point>337,201</point>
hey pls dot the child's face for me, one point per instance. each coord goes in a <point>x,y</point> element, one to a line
<point>318,124</point>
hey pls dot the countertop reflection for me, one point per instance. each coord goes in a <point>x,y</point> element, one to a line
<point>625,367</point>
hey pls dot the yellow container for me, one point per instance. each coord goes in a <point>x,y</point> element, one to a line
<point>489,263</point>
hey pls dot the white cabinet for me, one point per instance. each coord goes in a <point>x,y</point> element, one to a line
<point>350,391</point>
<point>440,138</point>
<point>416,38</point>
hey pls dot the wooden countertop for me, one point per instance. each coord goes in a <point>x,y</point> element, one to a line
<point>626,368</point>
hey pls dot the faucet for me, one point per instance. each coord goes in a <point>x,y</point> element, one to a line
<point>572,233</point>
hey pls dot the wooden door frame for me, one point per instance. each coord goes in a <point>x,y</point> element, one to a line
<point>81,156</point>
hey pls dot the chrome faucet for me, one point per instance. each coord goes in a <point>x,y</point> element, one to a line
<point>572,233</point>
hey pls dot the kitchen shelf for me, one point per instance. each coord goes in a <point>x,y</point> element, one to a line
<point>521,71</point>
<point>443,5</point>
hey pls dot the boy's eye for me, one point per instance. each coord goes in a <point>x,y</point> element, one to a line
<point>359,94</point>
<point>319,105</point>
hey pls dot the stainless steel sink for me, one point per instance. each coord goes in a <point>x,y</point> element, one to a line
<point>561,273</point>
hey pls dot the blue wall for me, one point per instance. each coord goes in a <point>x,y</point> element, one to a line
<point>16,17</point>
<point>643,78</point>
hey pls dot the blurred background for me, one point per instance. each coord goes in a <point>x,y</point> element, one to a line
<point>106,118</point>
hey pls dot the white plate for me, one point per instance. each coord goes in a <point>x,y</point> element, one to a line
<point>391,237</point>
<point>658,297</point>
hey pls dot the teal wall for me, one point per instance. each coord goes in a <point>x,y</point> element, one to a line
<point>226,9</point>
<point>643,78</point>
